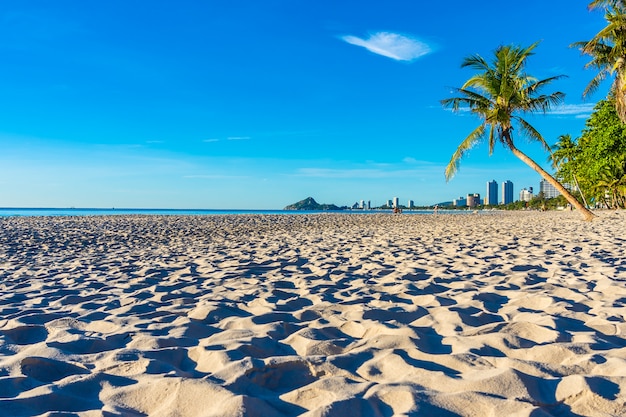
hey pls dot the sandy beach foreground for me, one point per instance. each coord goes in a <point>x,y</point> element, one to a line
<point>499,314</point>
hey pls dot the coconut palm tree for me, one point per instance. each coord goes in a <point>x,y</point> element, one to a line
<point>607,50</point>
<point>612,183</point>
<point>563,158</point>
<point>499,94</point>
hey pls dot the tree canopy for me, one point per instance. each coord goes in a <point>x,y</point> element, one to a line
<point>599,162</point>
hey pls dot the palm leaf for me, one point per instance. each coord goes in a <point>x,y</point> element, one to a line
<point>466,145</point>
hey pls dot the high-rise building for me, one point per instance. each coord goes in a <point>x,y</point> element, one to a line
<point>473,200</point>
<point>526,194</point>
<point>460,202</point>
<point>410,205</point>
<point>492,194</point>
<point>389,203</point>
<point>507,192</point>
<point>396,202</point>
<point>548,190</point>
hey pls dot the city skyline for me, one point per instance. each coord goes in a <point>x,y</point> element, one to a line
<point>506,187</point>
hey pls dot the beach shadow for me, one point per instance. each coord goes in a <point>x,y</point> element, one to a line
<point>430,341</point>
<point>492,302</point>
<point>49,370</point>
<point>603,387</point>
<point>395,314</point>
<point>294,305</point>
<point>573,306</point>
<point>418,275</point>
<point>603,341</point>
<point>274,317</point>
<point>26,335</point>
<point>534,279</point>
<point>563,410</point>
<point>90,345</point>
<point>362,407</point>
<point>427,365</point>
<point>488,351</point>
<point>351,361</point>
<point>172,360</point>
<point>261,348</point>
<point>472,316</point>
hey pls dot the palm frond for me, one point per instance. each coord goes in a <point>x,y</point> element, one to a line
<point>467,144</point>
<point>533,134</point>
<point>476,62</point>
<point>471,99</point>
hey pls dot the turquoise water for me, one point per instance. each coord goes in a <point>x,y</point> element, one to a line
<point>30,212</point>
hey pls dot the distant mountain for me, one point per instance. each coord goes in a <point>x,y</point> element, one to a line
<point>310,204</point>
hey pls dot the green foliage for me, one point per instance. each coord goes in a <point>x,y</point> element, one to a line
<point>607,50</point>
<point>598,158</point>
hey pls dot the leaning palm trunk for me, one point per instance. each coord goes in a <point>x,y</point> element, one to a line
<point>582,195</point>
<point>587,214</point>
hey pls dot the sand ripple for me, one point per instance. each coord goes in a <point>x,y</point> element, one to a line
<point>504,314</point>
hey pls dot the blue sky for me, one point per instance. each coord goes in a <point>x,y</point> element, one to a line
<point>258,104</point>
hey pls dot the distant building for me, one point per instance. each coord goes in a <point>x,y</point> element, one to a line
<point>411,205</point>
<point>473,200</point>
<point>507,192</point>
<point>460,202</point>
<point>362,205</point>
<point>492,193</point>
<point>369,204</point>
<point>548,190</point>
<point>389,203</point>
<point>526,194</point>
<point>396,202</point>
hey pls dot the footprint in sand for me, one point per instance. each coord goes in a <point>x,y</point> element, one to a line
<point>26,335</point>
<point>49,370</point>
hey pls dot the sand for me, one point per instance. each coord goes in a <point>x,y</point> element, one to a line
<point>490,314</point>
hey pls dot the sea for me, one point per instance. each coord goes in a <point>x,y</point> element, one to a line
<point>33,212</point>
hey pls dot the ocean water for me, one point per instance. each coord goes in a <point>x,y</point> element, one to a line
<point>30,212</point>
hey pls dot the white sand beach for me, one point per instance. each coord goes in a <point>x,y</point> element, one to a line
<point>491,314</point>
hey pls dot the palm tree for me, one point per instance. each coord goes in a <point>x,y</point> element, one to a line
<point>498,94</point>
<point>612,182</point>
<point>563,157</point>
<point>607,50</point>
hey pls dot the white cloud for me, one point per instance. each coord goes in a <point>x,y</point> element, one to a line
<point>578,110</point>
<point>210,140</point>
<point>216,177</point>
<point>391,45</point>
<point>238,138</point>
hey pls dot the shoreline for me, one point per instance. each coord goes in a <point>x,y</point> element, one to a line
<point>511,313</point>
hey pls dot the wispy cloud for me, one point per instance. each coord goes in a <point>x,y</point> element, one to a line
<point>211,140</point>
<point>579,111</point>
<point>215,176</point>
<point>576,110</point>
<point>365,173</point>
<point>392,45</point>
